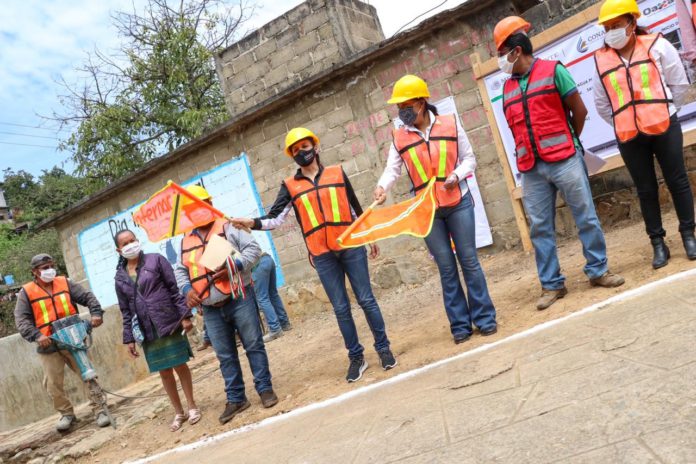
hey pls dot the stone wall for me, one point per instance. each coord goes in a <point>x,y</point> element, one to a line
<point>311,38</point>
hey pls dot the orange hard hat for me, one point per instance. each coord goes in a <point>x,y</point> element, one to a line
<point>508,26</point>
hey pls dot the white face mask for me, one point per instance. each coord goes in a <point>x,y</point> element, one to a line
<point>47,275</point>
<point>131,250</point>
<point>616,38</point>
<point>505,65</point>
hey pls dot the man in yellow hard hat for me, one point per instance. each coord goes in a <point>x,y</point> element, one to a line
<point>434,145</point>
<point>223,314</point>
<point>546,115</point>
<point>325,205</point>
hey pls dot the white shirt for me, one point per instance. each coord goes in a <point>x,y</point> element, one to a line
<point>670,66</point>
<point>464,167</point>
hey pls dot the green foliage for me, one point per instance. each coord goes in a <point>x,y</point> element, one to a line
<point>160,93</point>
<point>38,199</point>
<point>16,251</point>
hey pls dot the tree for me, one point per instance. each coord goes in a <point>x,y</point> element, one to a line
<point>35,200</point>
<point>161,92</point>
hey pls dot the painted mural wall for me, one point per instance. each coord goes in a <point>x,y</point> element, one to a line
<point>232,187</point>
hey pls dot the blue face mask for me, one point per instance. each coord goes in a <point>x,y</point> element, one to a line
<point>408,115</point>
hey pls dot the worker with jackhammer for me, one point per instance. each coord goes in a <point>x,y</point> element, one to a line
<point>44,300</point>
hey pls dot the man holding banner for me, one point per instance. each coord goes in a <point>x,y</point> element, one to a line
<point>325,206</point>
<point>437,154</point>
<point>227,306</point>
<point>546,116</point>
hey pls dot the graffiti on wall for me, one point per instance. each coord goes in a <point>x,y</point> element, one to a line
<point>233,190</point>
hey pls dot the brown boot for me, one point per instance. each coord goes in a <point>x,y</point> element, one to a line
<point>549,297</point>
<point>608,280</point>
<point>268,399</point>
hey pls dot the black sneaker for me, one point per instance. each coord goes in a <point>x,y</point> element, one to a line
<point>232,409</point>
<point>387,358</point>
<point>461,338</point>
<point>356,368</point>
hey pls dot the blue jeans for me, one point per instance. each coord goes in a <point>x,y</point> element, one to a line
<point>264,276</point>
<point>220,324</point>
<point>539,187</point>
<point>458,223</point>
<point>332,268</point>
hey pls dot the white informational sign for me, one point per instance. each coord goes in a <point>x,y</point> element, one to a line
<point>232,187</point>
<point>483,229</point>
<point>576,51</point>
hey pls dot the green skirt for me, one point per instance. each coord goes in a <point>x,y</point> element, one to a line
<point>167,352</point>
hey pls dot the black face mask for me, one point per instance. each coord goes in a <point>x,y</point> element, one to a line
<point>408,115</point>
<point>305,157</point>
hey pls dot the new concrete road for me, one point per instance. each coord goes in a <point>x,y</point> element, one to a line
<point>613,384</point>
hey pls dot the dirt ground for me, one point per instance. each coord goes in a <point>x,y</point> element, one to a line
<point>309,363</point>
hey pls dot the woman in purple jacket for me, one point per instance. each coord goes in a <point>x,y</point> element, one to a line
<point>154,314</point>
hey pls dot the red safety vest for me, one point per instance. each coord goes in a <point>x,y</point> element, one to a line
<point>639,103</point>
<point>49,307</point>
<point>437,157</point>
<point>537,117</point>
<point>322,209</point>
<point>192,248</point>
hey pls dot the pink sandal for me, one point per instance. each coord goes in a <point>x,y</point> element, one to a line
<point>179,419</point>
<point>194,415</point>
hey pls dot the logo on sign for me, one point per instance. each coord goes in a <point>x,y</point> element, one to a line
<point>651,10</point>
<point>582,45</point>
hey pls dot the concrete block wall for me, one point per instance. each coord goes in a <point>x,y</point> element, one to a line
<point>309,39</point>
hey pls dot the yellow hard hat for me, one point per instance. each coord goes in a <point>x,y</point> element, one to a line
<point>408,88</point>
<point>611,9</point>
<point>297,134</point>
<point>198,191</point>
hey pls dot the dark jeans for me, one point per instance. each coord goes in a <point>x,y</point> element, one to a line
<point>668,148</point>
<point>458,223</point>
<point>264,275</point>
<point>220,324</point>
<point>332,269</point>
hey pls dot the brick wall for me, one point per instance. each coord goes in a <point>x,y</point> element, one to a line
<point>311,38</point>
<point>350,114</point>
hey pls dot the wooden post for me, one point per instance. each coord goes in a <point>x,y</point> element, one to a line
<point>514,192</point>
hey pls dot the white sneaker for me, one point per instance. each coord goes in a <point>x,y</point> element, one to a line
<point>102,419</point>
<point>65,422</point>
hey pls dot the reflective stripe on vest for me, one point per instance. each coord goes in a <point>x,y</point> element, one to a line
<point>419,167</point>
<point>334,204</point>
<point>635,90</point>
<point>322,208</point>
<point>44,312</point>
<point>436,158</point>
<point>310,211</point>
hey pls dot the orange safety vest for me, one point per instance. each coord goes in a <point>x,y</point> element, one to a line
<point>192,248</point>
<point>322,208</point>
<point>639,102</point>
<point>437,157</point>
<point>49,307</point>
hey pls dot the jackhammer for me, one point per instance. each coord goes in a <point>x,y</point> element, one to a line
<point>75,335</point>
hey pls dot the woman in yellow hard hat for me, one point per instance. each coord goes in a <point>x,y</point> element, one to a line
<point>640,83</point>
<point>429,145</point>
<point>325,205</point>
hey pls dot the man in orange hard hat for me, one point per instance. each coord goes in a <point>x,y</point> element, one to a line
<point>546,115</point>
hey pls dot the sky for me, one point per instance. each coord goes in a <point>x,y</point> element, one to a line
<point>42,42</point>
